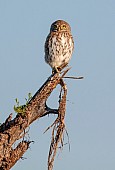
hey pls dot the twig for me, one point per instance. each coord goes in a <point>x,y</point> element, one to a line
<point>70,77</point>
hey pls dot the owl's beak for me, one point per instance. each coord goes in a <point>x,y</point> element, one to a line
<point>59,28</point>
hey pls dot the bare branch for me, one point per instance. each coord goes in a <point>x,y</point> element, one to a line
<point>70,77</point>
<point>58,128</point>
<point>12,130</point>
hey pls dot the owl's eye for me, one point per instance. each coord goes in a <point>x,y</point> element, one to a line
<point>63,26</point>
<point>54,28</point>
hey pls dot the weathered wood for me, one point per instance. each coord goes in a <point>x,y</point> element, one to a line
<point>13,130</point>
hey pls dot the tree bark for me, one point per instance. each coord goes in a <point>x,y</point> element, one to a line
<point>13,130</point>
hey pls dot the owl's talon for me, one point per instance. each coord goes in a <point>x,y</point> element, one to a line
<point>55,70</point>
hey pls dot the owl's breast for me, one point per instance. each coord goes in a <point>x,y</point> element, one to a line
<point>59,49</point>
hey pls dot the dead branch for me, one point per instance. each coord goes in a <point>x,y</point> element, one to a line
<point>71,77</point>
<point>58,128</point>
<point>12,130</point>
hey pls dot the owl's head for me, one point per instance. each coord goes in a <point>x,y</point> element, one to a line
<point>60,26</point>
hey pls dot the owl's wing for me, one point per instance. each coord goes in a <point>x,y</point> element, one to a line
<point>46,47</point>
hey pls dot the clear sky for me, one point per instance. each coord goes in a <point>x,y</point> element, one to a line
<point>90,116</point>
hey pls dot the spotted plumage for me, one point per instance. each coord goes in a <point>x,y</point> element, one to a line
<point>59,45</point>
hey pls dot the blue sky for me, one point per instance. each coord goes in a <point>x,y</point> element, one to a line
<point>90,116</point>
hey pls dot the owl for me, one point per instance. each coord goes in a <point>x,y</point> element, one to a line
<point>59,45</point>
